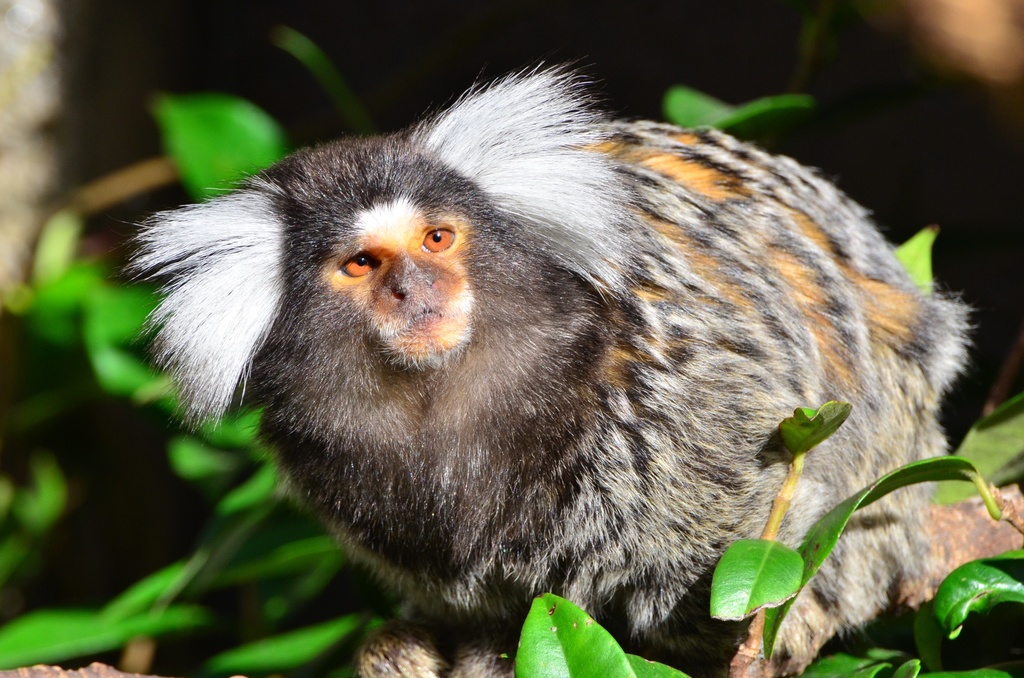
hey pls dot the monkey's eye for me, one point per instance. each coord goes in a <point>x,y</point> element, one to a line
<point>360,265</point>
<point>438,240</point>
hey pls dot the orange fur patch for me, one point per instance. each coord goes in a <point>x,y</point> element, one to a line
<point>891,312</point>
<point>810,299</point>
<point>812,231</point>
<point>687,139</point>
<point>697,177</point>
<point>702,264</point>
<point>616,366</point>
<point>692,174</point>
<point>395,236</point>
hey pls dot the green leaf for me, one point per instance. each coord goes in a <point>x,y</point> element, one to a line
<point>144,594</point>
<point>992,442</point>
<point>316,62</point>
<point>259,490</point>
<point>928,636</point>
<point>113,319</point>
<point>52,636</point>
<point>37,509</point>
<point>824,534</point>
<point>844,665</point>
<point>287,651</point>
<point>55,313</point>
<point>769,116</point>
<point>119,372</point>
<point>560,640</point>
<point>808,428</point>
<point>754,574</point>
<point>289,558</point>
<point>115,314</point>
<point>209,468</point>
<point>1011,670</point>
<point>916,256</point>
<point>645,668</point>
<point>977,587</point>
<point>237,517</point>
<point>688,107</point>
<point>216,139</point>
<point>908,670</point>
<point>758,119</point>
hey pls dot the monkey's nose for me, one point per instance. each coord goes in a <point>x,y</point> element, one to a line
<point>403,278</point>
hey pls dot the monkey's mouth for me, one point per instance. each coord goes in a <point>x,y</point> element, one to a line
<point>428,336</point>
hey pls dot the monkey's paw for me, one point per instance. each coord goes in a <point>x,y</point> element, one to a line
<point>401,648</point>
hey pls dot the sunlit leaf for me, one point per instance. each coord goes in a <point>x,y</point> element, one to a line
<point>688,107</point>
<point>56,311</point>
<point>823,535</point>
<point>115,314</point>
<point>237,517</point>
<point>808,428</point>
<point>216,139</point>
<point>143,595</point>
<point>286,651</point>
<point>209,468</point>
<point>842,665</point>
<point>908,670</point>
<point>769,116</point>
<point>53,636</point>
<point>290,557</point>
<point>120,372</point>
<point>991,443</point>
<point>560,640</point>
<point>977,587</point>
<point>645,668</point>
<point>754,574</point>
<point>916,256</point>
<point>1011,670</point>
<point>257,491</point>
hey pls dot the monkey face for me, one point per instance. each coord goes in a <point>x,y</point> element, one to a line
<point>355,266</point>
<point>403,271</point>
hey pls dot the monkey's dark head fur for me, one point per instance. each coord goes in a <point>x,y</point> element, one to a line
<point>520,347</point>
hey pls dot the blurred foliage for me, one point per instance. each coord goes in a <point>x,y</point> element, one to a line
<point>79,331</point>
<point>259,588</point>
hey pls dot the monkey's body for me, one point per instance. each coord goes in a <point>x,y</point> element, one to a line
<point>593,415</point>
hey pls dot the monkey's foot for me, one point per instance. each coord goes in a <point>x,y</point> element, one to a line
<point>401,648</point>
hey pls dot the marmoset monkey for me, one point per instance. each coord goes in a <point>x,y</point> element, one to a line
<point>521,347</point>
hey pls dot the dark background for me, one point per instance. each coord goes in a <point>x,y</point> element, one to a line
<point>915,145</point>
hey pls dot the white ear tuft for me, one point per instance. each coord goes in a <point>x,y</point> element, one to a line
<point>524,141</point>
<point>222,261</point>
